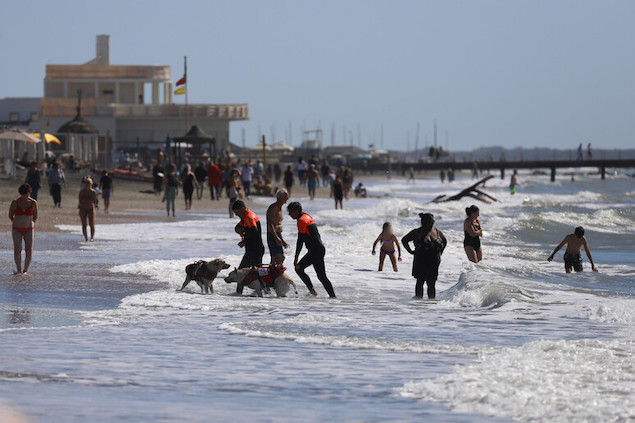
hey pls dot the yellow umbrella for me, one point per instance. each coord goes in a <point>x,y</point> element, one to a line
<point>49,138</point>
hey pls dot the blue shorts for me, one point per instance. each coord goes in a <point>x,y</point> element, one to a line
<point>311,183</point>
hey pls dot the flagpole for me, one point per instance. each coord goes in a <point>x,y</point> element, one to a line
<point>187,125</point>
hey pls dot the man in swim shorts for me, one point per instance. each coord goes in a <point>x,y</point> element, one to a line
<point>275,214</point>
<point>572,257</point>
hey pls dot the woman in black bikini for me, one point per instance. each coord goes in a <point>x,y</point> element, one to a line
<point>429,245</point>
<point>23,214</point>
<point>473,232</point>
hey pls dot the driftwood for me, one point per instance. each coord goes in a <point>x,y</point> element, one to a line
<point>470,191</point>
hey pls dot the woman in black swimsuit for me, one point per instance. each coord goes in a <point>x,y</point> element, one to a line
<point>473,232</point>
<point>429,245</point>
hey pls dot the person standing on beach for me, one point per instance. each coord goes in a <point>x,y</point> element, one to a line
<point>232,190</point>
<point>513,182</point>
<point>308,235</point>
<point>472,231</point>
<point>337,192</point>
<point>250,231</point>
<point>87,202</point>
<point>201,174</point>
<point>23,214</point>
<point>171,187</point>
<point>157,177</point>
<point>56,179</point>
<point>275,214</point>
<point>214,180</point>
<point>572,257</point>
<point>107,188</point>
<point>429,243</point>
<point>189,183</point>
<point>312,180</point>
<point>34,179</point>
<point>288,179</point>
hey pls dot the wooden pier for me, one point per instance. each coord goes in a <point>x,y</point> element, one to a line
<point>602,165</point>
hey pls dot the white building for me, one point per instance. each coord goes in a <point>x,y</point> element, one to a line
<point>130,105</point>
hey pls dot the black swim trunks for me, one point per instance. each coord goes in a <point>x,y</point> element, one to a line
<point>572,261</point>
<point>274,248</point>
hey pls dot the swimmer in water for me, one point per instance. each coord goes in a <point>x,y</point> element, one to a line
<point>388,241</point>
<point>572,256</point>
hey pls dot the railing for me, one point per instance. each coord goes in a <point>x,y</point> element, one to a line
<point>226,111</point>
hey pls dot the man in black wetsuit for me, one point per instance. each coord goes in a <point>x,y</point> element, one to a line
<point>308,235</point>
<point>429,245</point>
<point>251,233</point>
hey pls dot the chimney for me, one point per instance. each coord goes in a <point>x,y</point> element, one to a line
<point>103,50</point>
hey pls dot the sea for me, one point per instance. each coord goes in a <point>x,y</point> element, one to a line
<point>99,331</point>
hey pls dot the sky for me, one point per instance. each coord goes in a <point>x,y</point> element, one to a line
<point>490,72</point>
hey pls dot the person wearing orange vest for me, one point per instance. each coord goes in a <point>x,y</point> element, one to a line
<point>251,234</point>
<point>308,235</point>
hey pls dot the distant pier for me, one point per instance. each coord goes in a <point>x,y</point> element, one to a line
<point>553,165</point>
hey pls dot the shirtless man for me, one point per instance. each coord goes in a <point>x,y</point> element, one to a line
<point>275,215</point>
<point>572,258</point>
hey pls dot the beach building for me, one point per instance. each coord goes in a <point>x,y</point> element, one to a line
<point>129,105</point>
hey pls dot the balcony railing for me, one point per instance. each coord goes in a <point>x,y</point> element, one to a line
<point>224,111</point>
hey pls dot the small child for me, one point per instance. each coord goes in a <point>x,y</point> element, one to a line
<point>388,241</point>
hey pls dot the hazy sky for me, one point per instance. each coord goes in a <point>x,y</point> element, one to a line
<point>510,73</point>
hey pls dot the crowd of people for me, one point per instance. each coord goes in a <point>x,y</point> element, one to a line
<point>426,243</point>
<point>239,178</point>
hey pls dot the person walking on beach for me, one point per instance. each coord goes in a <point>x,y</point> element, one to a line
<point>232,191</point>
<point>247,177</point>
<point>34,179</point>
<point>275,214</point>
<point>513,182</point>
<point>171,189</point>
<point>23,214</point>
<point>87,202</point>
<point>157,177</point>
<point>472,231</point>
<point>56,179</point>
<point>308,235</point>
<point>429,243</point>
<point>250,231</point>
<point>388,241</point>
<point>572,256</point>
<point>107,188</point>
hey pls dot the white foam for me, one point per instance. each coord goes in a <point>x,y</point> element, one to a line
<point>587,380</point>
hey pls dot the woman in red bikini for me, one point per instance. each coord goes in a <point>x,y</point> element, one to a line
<point>23,214</point>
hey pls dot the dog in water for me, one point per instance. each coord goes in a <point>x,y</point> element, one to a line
<point>263,278</point>
<point>203,273</point>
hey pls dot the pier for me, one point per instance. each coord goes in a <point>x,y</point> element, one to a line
<point>553,165</point>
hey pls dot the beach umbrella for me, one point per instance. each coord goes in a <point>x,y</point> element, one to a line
<point>17,135</point>
<point>48,138</point>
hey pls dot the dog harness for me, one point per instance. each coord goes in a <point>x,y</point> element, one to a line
<point>265,274</point>
<point>197,271</point>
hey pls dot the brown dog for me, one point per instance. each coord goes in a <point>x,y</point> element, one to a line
<point>264,277</point>
<point>203,273</point>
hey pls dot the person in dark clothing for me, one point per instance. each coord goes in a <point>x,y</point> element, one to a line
<point>34,179</point>
<point>201,174</point>
<point>157,177</point>
<point>309,236</point>
<point>277,172</point>
<point>429,244</point>
<point>251,233</point>
<point>189,182</point>
<point>288,179</point>
<point>106,186</point>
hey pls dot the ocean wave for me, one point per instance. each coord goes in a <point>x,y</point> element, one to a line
<point>262,330</point>
<point>484,288</point>
<point>585,380</point>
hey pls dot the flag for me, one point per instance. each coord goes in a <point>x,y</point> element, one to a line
<point>181,81</point>
<point>179,91</point>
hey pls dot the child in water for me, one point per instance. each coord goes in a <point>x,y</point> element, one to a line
<point>388,242</point>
